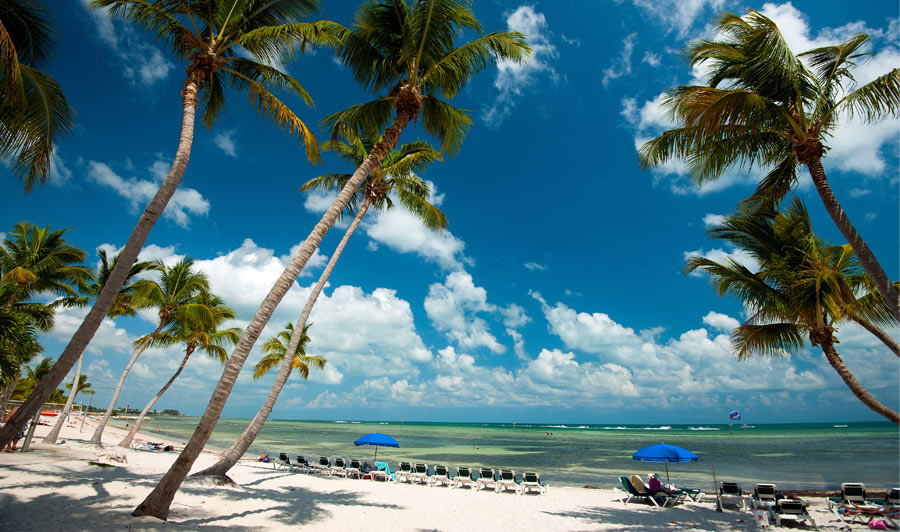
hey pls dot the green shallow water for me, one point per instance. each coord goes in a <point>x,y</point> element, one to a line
<point>793,456</point>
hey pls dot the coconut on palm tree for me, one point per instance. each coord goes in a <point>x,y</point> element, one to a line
<point>34,113</point>
<point>224,42</point>
<point>407,49</point>
<point>763,106</point>
<point>802,290</point>
<point>195,334</point>
<point>177,295</point>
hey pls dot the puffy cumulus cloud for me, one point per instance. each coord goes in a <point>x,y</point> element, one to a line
<point>454,309</point>
<point>722,256</point>
<point>139,192</point>
<point>514,79</point>
<point>514,316</point>
<point>711,220</point>
<point>109,337</point>
<point>721,322</point>
<point>225,142</point>
<point>59,173</point>
<point>403,232</point>
<point>142,63</point>
<point>621,65</point>
<point>679,16</point>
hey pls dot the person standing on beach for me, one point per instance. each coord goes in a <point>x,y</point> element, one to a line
<point>11,446</point>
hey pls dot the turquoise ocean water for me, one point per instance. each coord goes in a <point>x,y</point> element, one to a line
<point>793,456</point>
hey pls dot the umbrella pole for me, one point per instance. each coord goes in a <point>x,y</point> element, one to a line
<point>716,487</point>
<point>376,453</point>
<point>667,475</point>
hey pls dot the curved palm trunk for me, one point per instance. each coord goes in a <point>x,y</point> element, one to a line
<point>97,438</point>
<point>858,390</point>
<point>158,501</point>
<point>237,450</point>
<point>61,420</point>
<point>119,273</point>
<point>136,426</point>
<point>865,255</point>
<point>885,338</point>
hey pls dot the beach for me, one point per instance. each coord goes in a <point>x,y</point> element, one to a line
<point>76,486</point>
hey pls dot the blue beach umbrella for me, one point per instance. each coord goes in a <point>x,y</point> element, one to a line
<point>376,439</point>
<point>663,452</point>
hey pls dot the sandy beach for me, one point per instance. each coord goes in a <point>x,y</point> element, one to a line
<point>76,486</point>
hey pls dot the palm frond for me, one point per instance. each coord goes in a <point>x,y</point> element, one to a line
<point>445,122</point>
<point>451,72</point>
<point>772,340</point>
<point>875,100</point>
<point>361,118</point>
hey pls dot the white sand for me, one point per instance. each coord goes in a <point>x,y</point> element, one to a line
<point>54,488</point>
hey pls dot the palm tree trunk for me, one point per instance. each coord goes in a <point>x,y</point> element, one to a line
<point>136,426</point>
<point>5,393</point>
<point>885,338</point>
<point>119,273</point>
<point>158,501</point>
<point>858,390</point>
<point>866,257</point>
<point>61,420</point>
<point>236,451</point>
<point>97,438</point>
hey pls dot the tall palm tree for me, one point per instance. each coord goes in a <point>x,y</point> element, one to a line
<point>178,295</point>
<point>763,106</point>
<point>194,334</point>
<point>20,324</point>
<point>413,56</point>
<point>802,289</point>
<point>212,36</point>
<point>394,175</point>
<point>123,305</point>
<point>275,349</point>
<point>34,113</point>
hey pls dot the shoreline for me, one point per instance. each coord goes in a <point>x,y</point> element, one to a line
<point>76,486</point>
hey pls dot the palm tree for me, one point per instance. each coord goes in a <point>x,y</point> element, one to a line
<point>773,111</point>
<point>84,386</point>
<point>178,296</point>
<point>212,36</point>
<point>802,289</point>
<point>413,56</point>
<point>275,349</point>
<point>20,323</point>
<point>26,385</point>
<point>123,305</point>
<point>195,334</point>
<point>34,113</point>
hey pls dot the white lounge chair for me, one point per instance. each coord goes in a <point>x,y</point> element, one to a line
<point>324,465</point>
<point>730,493</point>
<point>419,473</point>
<point>339,468</point>
<point>763,496</point>
<point>792,510</point>
<point>531,482</point>
<point>440,476</point>
<point>485,479</point>
<point>507,481</point>
<point>354,469</point>
<point>404,472</point>
<point>463,477</point>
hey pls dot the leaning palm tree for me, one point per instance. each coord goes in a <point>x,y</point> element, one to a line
<point>763,106</point>
<point>393,176</point>
<point>123,305</point>
<point>178,295</point>
<point>802,290</point>
<point>408,50</point>
<point>84,386</point>
<point>224,42</point>
<point>34,113</point>
<point>194,334</point>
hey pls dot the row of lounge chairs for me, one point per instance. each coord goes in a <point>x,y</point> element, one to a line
<point>853,506</point>
<point>438,475</point>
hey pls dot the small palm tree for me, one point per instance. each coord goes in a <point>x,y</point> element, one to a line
<point>33,376</point>
<point>763,106</point>
<point>223,42</point>
<point>34,113</point>
<point>407,49</point>
<point>802,290</point>
<point>194,334</point>
<point>84,386</point>
<point>177,296</point>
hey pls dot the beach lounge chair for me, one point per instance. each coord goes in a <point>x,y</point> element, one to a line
<point>382,472</point>
<point>324,465</point>
<point>304,466</point>
<point>339,468</point>
<point>532,481</point>
<point>284,462</point>
<point>730,493</point>
<point>485,479</point>
<point>637,485</point>
<point>507,481</point>
<point>463,477</point>
<point>792,509</point>
<point>440,476</point>
<point>419,473</point>
<point>354,469</point>
<point>404,472</point>
<point>852,493</point>
<point>763,496</point>
<point>892,497</point>
<point>631,493</point>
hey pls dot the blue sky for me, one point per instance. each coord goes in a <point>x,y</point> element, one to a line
<point>556,295</point>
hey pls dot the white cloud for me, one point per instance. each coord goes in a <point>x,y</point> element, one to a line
<point>857,192</point>
<point>513,79</point>
<point>225,141</point>
<point>139,192</point>
<point>59,173</point>
<point>534,266</point>
<point>679,15</point>
<point>403,232</point>
<point>722,256</point>
<point>711,220</point>
<point>454,309</point>
<point>651,59</point>
<point>622,64</point>
<point>721,322</point>
<point>108,337</point>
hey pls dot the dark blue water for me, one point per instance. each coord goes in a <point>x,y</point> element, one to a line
<point>793,456</point>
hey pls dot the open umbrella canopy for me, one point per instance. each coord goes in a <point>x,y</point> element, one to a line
<point>663,452</point>
<point>377,438</point>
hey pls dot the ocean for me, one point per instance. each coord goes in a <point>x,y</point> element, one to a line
<point>792,456</point>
